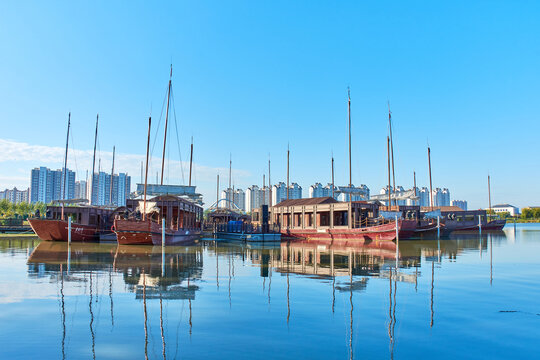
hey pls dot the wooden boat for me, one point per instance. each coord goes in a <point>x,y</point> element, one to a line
<point>142,224</point>
<point>182,221</point>
<point>383,232</point>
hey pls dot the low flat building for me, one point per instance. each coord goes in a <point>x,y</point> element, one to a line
<point>505,208</point>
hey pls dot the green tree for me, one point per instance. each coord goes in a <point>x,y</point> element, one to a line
<point>4,207</point>
<point>527,213</point>
<point>536,213</point>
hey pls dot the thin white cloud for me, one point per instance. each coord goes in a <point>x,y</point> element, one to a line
<point>15,155</point>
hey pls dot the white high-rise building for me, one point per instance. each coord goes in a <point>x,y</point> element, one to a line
<point>462,204</point>
<point>80,189</point>
<point>236,196</point>
<point>423,194</point>
<point>353,193</point>
<point>279,192</point>
<point>14,195</point>
<point>101,189</point>
<point>47,185</point>
<point>317,190</point>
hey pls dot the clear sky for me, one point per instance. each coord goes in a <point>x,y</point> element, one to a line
<point>250,77</point>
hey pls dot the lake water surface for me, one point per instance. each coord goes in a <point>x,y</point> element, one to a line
<point>469,296</point>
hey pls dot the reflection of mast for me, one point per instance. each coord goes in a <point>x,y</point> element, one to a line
<point>229,258</point>
<point>351,334</point>
<point>432,283</point>
<point>490,260</point>
<point>161,324</point>
<point>217,261</point>
<point>110,296</point>
<point>190,315</point>
<point>92,320</point>
<point>63,312</point>
<point>145,317</point>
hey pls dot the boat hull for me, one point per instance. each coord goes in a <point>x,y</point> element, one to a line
<point>57,230</point>
<point>494,225</point>
<point>147,232</point>
<point>384,232</point>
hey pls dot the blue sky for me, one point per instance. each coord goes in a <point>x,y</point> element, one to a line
<point>250,77</point>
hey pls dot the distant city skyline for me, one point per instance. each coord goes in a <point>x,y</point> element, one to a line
<point>461,76</point>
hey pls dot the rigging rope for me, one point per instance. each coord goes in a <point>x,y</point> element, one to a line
<point>178,140</point>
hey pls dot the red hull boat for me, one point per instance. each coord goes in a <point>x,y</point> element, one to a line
<point>148,232</point>
<point>386,232</point>
<point>57,230</point>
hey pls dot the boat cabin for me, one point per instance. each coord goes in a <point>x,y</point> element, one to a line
<point>178,212</point>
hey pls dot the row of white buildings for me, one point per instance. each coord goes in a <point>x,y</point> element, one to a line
<point>255,196</point>
<point>14,195</point>
<point>47,185</point>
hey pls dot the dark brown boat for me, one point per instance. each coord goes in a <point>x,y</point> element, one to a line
<point>88,223</point>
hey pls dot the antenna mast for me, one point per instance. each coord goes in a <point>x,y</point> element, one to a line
<point>166,125</point>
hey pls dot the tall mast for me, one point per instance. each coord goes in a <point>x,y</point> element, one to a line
<point>65,158</point>
<point>392,150</point>
<point>94,163</point>
<point>489,196</point>
<point>430,183</point>
<point>191,161</point>
<point>217,192</point>
<point>166,125</point>
<point>350,161</point>
<point>288,153</point>
<point>414,186</point>
<point>332,175</point>
<point>146,168</point>
<point>230,176</point>
<point>269,184</point>
<point>389,186</point>
<point>112,177</point>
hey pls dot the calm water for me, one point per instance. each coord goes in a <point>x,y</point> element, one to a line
<point>467,297</point>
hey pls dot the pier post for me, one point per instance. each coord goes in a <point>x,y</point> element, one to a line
<point>163,247</point>
<point>438,227</point>
<point>69,230</point>
<point>480,223</point>
<point>397,244</point>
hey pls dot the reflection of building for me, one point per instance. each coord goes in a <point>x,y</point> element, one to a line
<point>47,185</point>
<point>14,195</point>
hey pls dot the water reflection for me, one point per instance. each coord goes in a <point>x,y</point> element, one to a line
<point>335,284</point>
